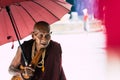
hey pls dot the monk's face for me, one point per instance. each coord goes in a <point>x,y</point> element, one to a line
<point>42,37</point>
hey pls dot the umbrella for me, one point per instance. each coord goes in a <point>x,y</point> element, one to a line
<point>17,17</point>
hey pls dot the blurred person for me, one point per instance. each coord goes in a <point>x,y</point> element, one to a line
<point>43,55</point>
<point>85,19</point>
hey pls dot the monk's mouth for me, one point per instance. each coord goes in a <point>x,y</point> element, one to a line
<point>44,44</point>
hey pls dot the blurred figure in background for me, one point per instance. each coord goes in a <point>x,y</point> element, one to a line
<point>85,19</point>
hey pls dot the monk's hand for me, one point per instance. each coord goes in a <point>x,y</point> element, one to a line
<point>27,72</point>
<point>35,37</point>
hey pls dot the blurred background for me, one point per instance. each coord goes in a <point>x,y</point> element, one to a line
<point>90,40</point>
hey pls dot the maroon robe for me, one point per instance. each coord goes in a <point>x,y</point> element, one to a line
<point>53,61</point>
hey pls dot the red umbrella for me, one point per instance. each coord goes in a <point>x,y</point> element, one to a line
<point>17,17</point>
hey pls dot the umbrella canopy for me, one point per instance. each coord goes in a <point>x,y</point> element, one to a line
<point>19,16</point>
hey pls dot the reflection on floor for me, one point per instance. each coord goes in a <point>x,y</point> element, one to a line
<point>113,63</point>
<point>84,56</point>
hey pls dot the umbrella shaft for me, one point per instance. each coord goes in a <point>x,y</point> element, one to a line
<point>16,33</point>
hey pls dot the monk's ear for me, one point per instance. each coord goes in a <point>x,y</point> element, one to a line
<point>33,36</point>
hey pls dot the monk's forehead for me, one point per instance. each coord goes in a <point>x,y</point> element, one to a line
<point>42,28</point>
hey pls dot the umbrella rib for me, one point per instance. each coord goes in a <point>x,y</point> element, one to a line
<point>13,23</point>
<point>60,4</point>
<point>27,12</point>
<point>0,9</point>
<point>45,8</point>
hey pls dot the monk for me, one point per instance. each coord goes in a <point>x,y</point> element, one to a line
<point>39,58</point>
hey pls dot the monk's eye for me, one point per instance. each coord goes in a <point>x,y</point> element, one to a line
<point>40,36</point>
<point>47,36</point>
